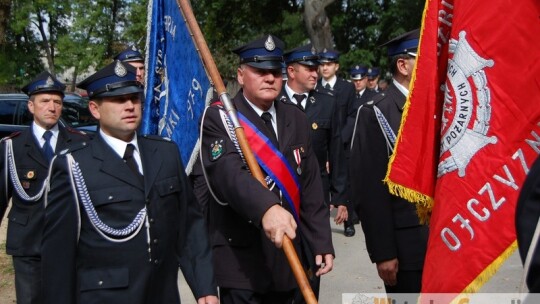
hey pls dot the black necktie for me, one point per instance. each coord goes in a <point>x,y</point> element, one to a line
<point>267,117</point>
<point>327,86</point>
<point>47,148</point>
<point>130,161</point>
<point>299,98</point>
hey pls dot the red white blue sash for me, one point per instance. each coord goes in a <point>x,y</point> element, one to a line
<point>274,164</point>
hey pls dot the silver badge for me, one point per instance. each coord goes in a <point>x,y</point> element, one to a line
<point>312,99</point>
<point>299,170</point>
<point>120,70</point>
<point>133,48</point>
<point>357,67</point>
<point>313,50</point>
<point>49,82</point>
<point>269,44</point>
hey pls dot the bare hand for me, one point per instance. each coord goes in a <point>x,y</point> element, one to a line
<point>342,215</point>
<point>388,271</point>
<point>208,300</point>
<point>325,267</point>
<point>276,222</point>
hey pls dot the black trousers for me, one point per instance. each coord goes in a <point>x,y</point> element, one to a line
<point>27,279</point>
<point>244,296</point>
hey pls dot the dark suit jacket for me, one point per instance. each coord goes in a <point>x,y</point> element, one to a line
<point>527,213</point>
<point>344,91</point>
<point>321,110</point>
<point>351,116</point>
<point>143,269</point>
<point>390,224</point>
<point>245,258</point>
<point>26,218</point>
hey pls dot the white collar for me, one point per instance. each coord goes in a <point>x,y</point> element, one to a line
<point>39,130</point>
<point>118,145</point>
<point>332,81</point>
<point>290,93</point>
<point>401,88</point>
<point>259,112</point>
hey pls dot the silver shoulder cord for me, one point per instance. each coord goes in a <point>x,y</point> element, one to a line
<point>355,124</point>
<point>14,176</point>
<point>387,131</point>
<point>232,135</point>
<point>528,259</point>
<point>79,187</point>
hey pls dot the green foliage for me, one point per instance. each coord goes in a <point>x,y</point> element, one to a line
<point>360,27</point>
<point>73,37</point>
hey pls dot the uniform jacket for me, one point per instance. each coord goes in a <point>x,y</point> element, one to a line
<point>326,142</point>
<point>247,259</point>
<point>390,224</point>
<point>344,91</point>
<point>351,116</point>
<point>25,218</point>
<point>527,213</point>
<point>144,269</point>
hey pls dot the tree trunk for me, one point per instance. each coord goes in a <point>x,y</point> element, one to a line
<point>318,24</point>
<point>5,8</point>
<point>45,42</point>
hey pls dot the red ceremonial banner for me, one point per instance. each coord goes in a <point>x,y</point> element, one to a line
<point>471,131</point>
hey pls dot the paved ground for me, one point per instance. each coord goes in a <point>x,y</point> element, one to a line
<point>353,273</point>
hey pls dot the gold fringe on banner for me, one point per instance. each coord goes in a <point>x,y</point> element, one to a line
<point>483,277</point>
<point>423,202</point>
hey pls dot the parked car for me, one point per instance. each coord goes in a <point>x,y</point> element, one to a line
<point>14,114</point>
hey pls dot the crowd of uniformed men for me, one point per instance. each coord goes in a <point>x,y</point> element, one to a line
<point>109,217</point>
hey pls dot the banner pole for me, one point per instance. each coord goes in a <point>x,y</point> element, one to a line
<point>254,167</point>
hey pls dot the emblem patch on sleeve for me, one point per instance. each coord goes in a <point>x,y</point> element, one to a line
<point>216,150</point>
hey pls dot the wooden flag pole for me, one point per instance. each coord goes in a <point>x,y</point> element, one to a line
<point>254,167</point>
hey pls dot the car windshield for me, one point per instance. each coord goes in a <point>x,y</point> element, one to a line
<point>75,112</point>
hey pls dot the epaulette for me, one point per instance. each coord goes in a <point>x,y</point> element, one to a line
<point>377,98</point>
<point>74,147</point>
<point>12,135</point>
<point>156,137</point>
<point>325,92</point>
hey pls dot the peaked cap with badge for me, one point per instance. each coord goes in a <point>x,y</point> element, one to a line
<point>373,73</point>
<point>264,53</point>
<point>130,54</point>
<point>404,44</point>
<point>44,83</point>
<point>115,79</point>
<point>305,55</point>
<point>329,56</point>
<point>358,72</point>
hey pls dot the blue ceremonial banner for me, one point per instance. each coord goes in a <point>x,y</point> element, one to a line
<point>177,86</point>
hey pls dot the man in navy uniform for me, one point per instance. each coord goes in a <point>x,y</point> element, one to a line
<point>321,109</point>
<point>247,220</point>
<point>28,156</point>
<point>344,92</point>
<point>359,77</point>
<point>133,57</point>
<point>373,75</point>
<point>120,215</point>
<point>395,239</point>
